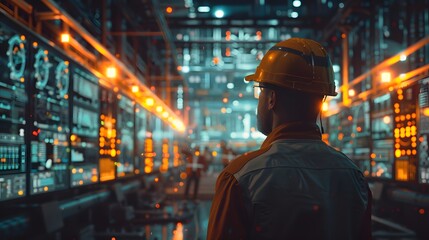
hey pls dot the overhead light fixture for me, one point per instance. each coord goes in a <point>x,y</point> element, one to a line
<point>111,72</point>
<point>65,38</point>
<point>219,13</point>
<point>203,9</point>
<point>185,69</point>
<point>135,89</point>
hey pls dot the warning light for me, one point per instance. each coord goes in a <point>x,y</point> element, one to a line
<point>169,10</point>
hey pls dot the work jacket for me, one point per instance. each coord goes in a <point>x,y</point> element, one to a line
<point>294,187</point>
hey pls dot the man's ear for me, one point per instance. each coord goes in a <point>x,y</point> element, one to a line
<point>272,99</point>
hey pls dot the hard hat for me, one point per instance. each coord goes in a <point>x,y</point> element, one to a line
<point>297,63</point>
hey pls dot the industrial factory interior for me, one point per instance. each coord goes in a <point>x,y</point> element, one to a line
<point>105,105</point>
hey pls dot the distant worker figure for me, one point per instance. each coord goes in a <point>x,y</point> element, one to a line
<point>194,167</point>
<point>295,186</point>
<point>227,154</point>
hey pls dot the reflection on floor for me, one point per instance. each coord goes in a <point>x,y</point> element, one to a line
<point>194,229</point>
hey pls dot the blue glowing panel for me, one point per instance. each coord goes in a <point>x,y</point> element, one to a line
<point>125,129</point>
<point>50,131</point>
<point>141,134</point>
<point>85,128</point>
<point>13,98</point>
<point>423,148</point>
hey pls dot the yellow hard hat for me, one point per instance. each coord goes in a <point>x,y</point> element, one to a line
<point>297,63</point>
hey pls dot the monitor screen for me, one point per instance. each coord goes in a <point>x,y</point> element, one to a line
<point>108,139</point>
<point>50,129</point>
<point>125,128</point>
<point>13,98</point>
<point>85,128</point>
<point>141,135</point>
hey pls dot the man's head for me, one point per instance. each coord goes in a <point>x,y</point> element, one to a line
<point>293,78</point>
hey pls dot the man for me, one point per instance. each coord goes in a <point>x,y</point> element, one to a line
<point>294,186</point>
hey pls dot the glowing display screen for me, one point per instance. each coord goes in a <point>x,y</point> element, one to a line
<point>49,135</point>
<point>423,148</point>
<point>141,135</point>
<point>13,97</point>
<point>126,136</point>
<point>108,138</point>
<point>85,128</point>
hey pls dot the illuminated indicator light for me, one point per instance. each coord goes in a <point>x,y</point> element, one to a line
<point>65,38</point>
<point>359,129</point>
<point>414,152</point>
<point>223,110</point>
<point>413,115</point>
<point>45,188</point>
<point>413,128</point>
<point>225,100</point>
<point>73,137</point>
<point>74,170</point>
<point>113,153</point>
<point>350,117</point>
<point>400,97</point>
<point>426,111</point>
<point>373,163</point>
<point>386,77</point>
<point>20,192</point>
<point>101,150</point>
<point>111,72</point>
<point>397,153</point>
<point>352,92</point>
<point>390,89</point>
<point>214,153</point>
<point>94,179</point>
<point>413,139</point>
<point>156,179</point>
<point>413,144</point>
<point>421,211</point>
<point>228,52</point>
<point>396,105</point>
<point>35,44</point>
<point>176,189</point>
<point>22,79</point>
<point>408,116</point>
<point>22,37</point>
<point>397,119</point>
<point>408,152</point>
<point>134,89</point>
<point>165,114</point>
<point>343,35</point>
<point>399,91</point>
<point>183,175</point>
<point>397,110</point>
<point>157,205</point>
<point>147,169</point>
<point>169,10</point>
<point>113,238</point>
<point>402,118</point>
<point>216,60</point>
<point>219,13</point>
<point>81,182</point>
<point>397,145</point>
<point>403,152</point>
<point>181,184</point>
<point>159,109</point>
<point>80,170</point>
<point>324,106</point>
<point>386,119</point>
<point>373,155</point>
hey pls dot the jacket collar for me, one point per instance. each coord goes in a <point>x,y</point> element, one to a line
<point>294,130</point>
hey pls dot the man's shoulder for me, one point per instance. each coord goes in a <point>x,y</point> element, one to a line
<point>238,163</point>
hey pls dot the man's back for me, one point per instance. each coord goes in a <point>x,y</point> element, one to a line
<point>303,189</point>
